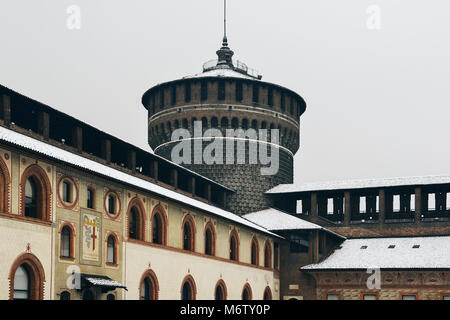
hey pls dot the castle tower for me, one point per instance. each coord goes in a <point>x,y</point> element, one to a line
<point>228,95</point>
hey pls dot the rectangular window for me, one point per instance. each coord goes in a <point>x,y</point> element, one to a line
<point>396,203</point>
<point>221,93</point>
<point>446,297</point>
<point>66,191</point>
<point>370,297</point>
<point>448,201</point>
<point>255,93</point>
<point>239,91</point>
<point>204,90</point>
<point>412,203</point>
<point>332,296</point>
<point>409,297</point>
<point>330,206</point>
<point>431,201</point>
<point>283,102</point>
<point>276,250</point>
<point>270,96</point>
<point>187,92</point>
<point>362,204</point>
<point>161,99</point>
<point>173,95</point>
<point>377,204</point>
<point>299,243</point>
<point>90,199</point>
<point>299,206</point>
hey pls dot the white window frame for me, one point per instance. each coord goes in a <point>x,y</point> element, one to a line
<point>330,206</point>
<point>431,204</point>
<point>362,204</point>
<point>448,201</point>
<point>299,209</point>
<point>396,203</point>
<point>412,203</point>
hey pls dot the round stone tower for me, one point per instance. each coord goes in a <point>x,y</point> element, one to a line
<point>228,95</point>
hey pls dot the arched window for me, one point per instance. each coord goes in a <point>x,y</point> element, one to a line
<point>22,284</point>
<point>26,278</point>
<point>254,124</point>
<point>247,292</point>
<point>267,255</point>
<point>35,193</point>
<point>176,124</point>
<point>66,242</point>
<point>263,125</point>
<point>188,289</point>
<point>149,287</point>
<point>234,123</point>
<point>110,297</point>
<point>189,233</point>
<point>31,198</point>
<point>185,123</point>
<point>133,228</point>
<point>65,295</point>
<point>224,122</point>
<point>214,122</point>
<point>255,252</point>
<point>158,226</point>
<point>267,294</point>
<point>4,186</point>
<point>193,120</point>
<point>245,124</point>
<point>204,122</point>
<point>111,253</point>
<point>210,240</point>
<point>221,291</point>
<point>234,246</point>
<point>136,224</point>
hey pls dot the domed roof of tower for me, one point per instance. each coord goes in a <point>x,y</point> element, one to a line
<point>225,66</point>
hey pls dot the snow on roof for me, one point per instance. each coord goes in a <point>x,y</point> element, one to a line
<point>389,253</point>
<point>360,184</point>
<point>56,153</point>
<point>225,72</point>
<point>276,220</point>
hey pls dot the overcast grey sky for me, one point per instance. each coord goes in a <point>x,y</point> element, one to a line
<point>377,100</point>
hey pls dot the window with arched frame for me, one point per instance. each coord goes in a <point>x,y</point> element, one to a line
<point>149,287</point>
<point>136,220</point>
<point>267,294</point>
<point>255,251</point>
<point>247,292</point>
<point>214,122</point>
<point>234,245</point>
<point>4,186</point>
<point>159,225</point>
<point>188,288</point>
<point>224,122</point>
<point>66,243</point>
<point>188,233</point>
<point>35,194</point>
<point>267,255</point>
<point>64,296</point>
<point>220,292</point>
<point>26,278</point>
<point>210,239</point>
<point>111,250</point>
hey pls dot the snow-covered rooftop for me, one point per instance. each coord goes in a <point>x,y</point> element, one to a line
<point>56,153</point>
<point>359,184</point>
<point>389,253</point>
<point>276,220</point>
<point>225,72</point>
